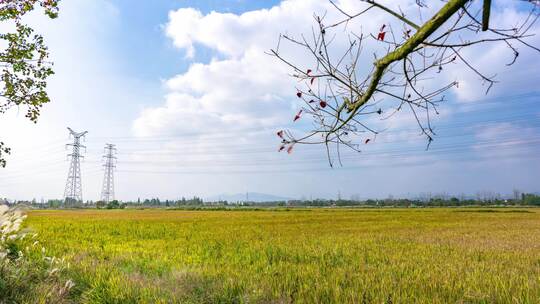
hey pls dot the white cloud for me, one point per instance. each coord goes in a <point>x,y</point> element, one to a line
<point>234,35</point>
<point>234,94</point>
<point>244,87</point>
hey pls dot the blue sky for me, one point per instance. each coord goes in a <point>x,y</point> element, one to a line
<point>186,91</point>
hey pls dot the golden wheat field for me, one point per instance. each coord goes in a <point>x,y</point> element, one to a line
<point>297,256</point>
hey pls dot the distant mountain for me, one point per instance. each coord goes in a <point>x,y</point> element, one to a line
<point>252,197</point>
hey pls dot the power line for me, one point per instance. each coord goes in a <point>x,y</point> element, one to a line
<point>507,148</point>
<point>458,147</point>
<point>457,139</point>
<point>209,141</point>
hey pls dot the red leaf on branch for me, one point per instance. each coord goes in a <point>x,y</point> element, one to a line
<point>367,140</point>
<point>298,115</point>
<point>322,104</point>
<point>299,94</point>
<point>281,148</point>
<point>289,150</point>
<point>308,71</point>
<point>312,80</point>
<point>381,36</point>
<point>280,133</point>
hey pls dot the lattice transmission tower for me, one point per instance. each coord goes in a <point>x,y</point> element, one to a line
<point>107,191</point>
<point>73,191</point>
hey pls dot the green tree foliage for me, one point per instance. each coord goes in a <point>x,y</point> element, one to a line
<point>25,69</point>
<point>113,205</point>
<point>530,199</point>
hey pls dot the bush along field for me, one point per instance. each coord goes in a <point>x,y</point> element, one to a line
<point>288,256</point>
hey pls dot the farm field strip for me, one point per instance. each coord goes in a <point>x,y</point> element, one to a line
<point>307,255</point>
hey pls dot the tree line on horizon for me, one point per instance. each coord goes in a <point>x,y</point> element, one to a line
<point>523,199</point>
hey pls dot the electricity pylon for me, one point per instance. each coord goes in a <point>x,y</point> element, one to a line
<point>107,191</point>
<point>73,191</point>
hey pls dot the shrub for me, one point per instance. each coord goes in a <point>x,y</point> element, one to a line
<point>27,274</point>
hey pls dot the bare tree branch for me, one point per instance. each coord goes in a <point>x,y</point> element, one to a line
<point>342,96</point>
